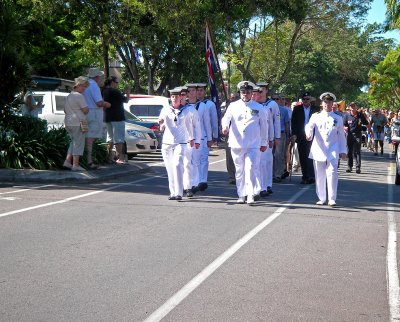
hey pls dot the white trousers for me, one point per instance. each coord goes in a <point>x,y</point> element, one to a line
<point>247,170</point>
<point>266,168</point>
<point>326,176</point>
<point>188,167</point>
<point>203,168</point>
<point>173,155</point>
<point>196,166</point>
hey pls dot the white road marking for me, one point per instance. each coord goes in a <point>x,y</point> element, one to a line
<point>9,198</point>
<point>178,297</point>
<point>76,197</point>
<point>27,189</point>
<point>392,275</point>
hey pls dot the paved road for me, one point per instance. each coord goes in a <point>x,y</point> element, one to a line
<point>120,251</point>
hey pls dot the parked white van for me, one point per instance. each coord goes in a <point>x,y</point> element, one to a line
<point>146,107</point>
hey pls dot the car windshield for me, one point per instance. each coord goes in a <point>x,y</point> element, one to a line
<point>132,117</point>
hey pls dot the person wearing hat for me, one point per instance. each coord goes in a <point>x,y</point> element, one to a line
<point>198,113</point>
<point>177,123</point>
<point>325,130</point>
<point>95,117</point>
<point>265,171</point>
<point>31,107</point>
<point>300,117</point>
<point>378,123</point>
<point>75,112</point>
<point>274,136</point>
<point>353,122</point>
<point>247,124</point>
<point>213,119</point>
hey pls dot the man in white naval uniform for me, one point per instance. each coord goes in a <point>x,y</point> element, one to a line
<point>274,136</point>
<point>328,146</point>
<point>213,117</point>
<point>247,124</point>
<point>176,122</point>
<point>192,159</point>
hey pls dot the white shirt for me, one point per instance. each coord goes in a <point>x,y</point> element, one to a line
<point>204,120</point>
<point>92,94</point>
<point>177,125</point>
<point>193,123</point>
<point>275,120</point>
<point>329,138</point>
<point>248,124</point>
<point>212,110</point>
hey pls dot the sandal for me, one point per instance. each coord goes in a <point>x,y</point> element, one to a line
<point>92,166</point>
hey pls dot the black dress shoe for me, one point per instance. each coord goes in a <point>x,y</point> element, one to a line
<point>358,170</point>
<point>303,181</point>
<point>232,181</point>
<point>256,197</point>
<point>178,198</point>
<point>269,190</point>
<point>349,170</point>
<point>195,189</point>
<point>285,175</point>
<point>189,193</point>
<point>264,193</point>
<point>171,198</point>
<point>202,186</point>
<point>311,181</point>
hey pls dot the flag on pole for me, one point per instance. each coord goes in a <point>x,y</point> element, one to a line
<point>212,69</point>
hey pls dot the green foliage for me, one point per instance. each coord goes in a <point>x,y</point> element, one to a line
<point>26,143</point>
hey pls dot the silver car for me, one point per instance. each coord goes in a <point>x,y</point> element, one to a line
<point>139,139</point>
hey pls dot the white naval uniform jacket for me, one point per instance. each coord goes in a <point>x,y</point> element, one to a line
<point>213,116</point>
<point>274,119</point>
<point>329,138</point>
<point>248,124</point>
<point>204,120</point>
<point>178,125</point>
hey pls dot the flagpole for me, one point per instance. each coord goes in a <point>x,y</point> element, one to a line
<point>216,58</point>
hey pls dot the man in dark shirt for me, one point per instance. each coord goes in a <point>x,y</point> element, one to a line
<point>300,117</point>
<point>114,117</point>
<point>352,125</point>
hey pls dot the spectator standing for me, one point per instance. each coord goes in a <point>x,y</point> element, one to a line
<point>95,117</point>
<point>378,122</point>
<point>300,117</point>
<point>75,112</point>
<point>31,107</point>
<point>353,122</point>
<point>114,117</point>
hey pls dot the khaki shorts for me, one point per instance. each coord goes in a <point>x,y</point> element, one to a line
<point>95,121</point>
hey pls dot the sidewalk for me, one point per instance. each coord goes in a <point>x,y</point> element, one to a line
<point>103,173</point>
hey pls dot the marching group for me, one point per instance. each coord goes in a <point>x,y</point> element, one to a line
<point>267,138</point>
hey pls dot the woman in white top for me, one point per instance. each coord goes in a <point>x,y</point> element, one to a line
<point>75,112</point>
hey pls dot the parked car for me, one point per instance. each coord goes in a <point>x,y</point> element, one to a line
<point>154,126</point>
<point>139,139</point>
<point>146,107</point>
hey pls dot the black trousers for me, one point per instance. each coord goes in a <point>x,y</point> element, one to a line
<point>230,166</point>
<point>307,167</point>
<point>354,150</point>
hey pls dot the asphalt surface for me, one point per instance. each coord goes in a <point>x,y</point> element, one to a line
<point>118,250</point>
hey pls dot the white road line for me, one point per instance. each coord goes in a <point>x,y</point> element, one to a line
<point>76,197</point>
<point>27,189</point>
<point>178,297</point>
<point>5,214</point>
<point>392,275</point>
